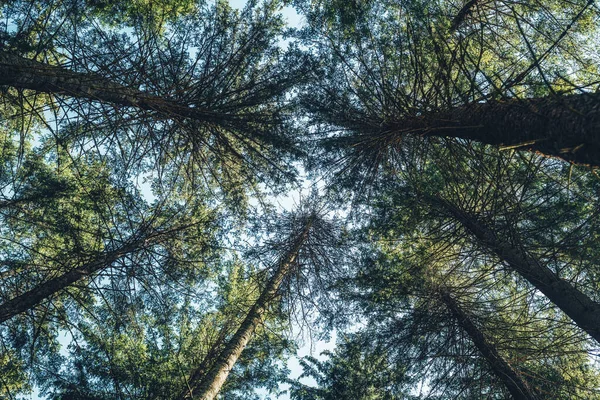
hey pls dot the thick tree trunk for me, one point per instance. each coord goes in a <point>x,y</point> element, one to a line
<point>44,290</point>
<point>516,386</point>
<point>579,307</point>
<point>566,127</point>
<point>22,73</point>
<point>208,386</point>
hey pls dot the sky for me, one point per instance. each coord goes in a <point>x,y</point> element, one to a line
<point>294,20</point>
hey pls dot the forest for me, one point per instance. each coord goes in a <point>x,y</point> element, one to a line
<point>192,191</point>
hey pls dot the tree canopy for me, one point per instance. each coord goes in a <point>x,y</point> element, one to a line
<point>190,190</point>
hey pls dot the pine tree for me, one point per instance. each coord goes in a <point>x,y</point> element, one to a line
<point>140,144</point>
<point>302,248</point>
<point>397,70</point>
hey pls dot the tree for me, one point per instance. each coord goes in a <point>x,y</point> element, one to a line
<point>307,236</point>
<point>494,341</point>
<point>355,371</point>
<point>581,308</point>
<point>401,69</point>
<point>219,114</point>
<point>45,290</point>
<point>560,126</point>
<point>209,385</point>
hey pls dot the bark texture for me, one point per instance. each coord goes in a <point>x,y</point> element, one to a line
<point>208,385</point>
<point>23,73</point>
<point>566,127</point>
<point>517,387</point>
<point>578,306</point>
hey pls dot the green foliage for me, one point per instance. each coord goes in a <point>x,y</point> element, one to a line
<point>13,378</point>
<point>355,371</point>
<point>146,159</point>
<point>153,14</point>
<point>126,347</point>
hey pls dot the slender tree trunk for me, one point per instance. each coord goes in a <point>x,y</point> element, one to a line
<point>44,290</point>
<point>208,386</point>
<point>23,73</point>
<point>516,386</point>
<point>566,127</point>
<point>579,307</point>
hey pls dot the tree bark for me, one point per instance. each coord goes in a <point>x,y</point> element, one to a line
<point>207,387</point>
<point>579,307</point>
<point>516,386</point>
<point>23,73</point>
<point>566,127</point>
<point>44,290</point>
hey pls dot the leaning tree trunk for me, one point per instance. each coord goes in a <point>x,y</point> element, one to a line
<point>207,386</point>
<point>517,387</point>
<point>566,127</point>
<point>578,306</point>
<point>23,73</point>
<point>45,290</point>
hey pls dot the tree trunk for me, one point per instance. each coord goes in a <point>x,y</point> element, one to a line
<point>579,307</point>
<point>208,386</point>
<point>22,73</point>
<point>44,290</point>
<point>509,377</point>
<point>566,127</point>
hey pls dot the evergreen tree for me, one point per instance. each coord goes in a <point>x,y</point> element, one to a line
<point>396,69</point>
<point>303,243</point>
<point>140,144</point>
<point>355,371</point>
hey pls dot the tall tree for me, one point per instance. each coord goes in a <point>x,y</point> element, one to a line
<point>218,114</point>
<point>584,311</point>
<point>304,244</point>
<point>98,262</point>
<point>515,384</point>
<point>449,320</point>
<point>209,385</point>
<point>395,71</point>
